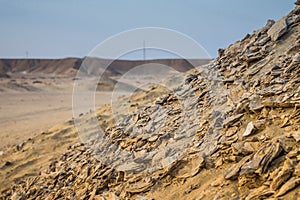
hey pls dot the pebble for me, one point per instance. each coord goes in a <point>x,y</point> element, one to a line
<point>249,129</point>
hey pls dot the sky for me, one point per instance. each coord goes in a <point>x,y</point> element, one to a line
<point>69,28</point>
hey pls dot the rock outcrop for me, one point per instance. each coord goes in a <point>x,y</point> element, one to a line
<point>231,132</point>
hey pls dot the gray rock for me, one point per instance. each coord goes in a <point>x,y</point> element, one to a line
<point>233,171</point>
<point>231,120</point>
<point>163,99</point>
<point>278,29</point>
<point>290,20</point>
<point>296,58</point>
<point>268,25</point>
<point>271,90</point>
<point>263,41</point>
<point>249,129</point>
<point>20,146</point>
<point>131,167</point>
<point>190,78</point>
<point>294,64</point>
<point>221,52</point>
<point>261,159</point>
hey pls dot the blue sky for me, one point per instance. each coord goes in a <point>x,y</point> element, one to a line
<point>61,28</point>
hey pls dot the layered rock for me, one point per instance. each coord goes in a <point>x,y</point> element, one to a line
<point>236,122</point>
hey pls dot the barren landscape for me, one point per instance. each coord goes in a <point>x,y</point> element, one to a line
<point>229,130</point>
<point>37,94</point>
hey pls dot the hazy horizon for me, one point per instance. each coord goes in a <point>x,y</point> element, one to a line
<point>60,29</point>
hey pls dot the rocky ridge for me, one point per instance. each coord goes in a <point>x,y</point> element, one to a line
<point>243,142</point>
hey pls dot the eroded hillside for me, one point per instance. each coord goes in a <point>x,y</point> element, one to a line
<point>231,131</point>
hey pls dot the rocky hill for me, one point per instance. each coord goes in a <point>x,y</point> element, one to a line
<point>64,66</point>
<point>230,131</point>
<point>69,66</point>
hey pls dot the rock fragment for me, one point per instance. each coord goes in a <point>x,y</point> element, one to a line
<point>140,186</point>
<point>295,63</point>
<point>231,120</point>
<point>20,146</point>
<point>289,185</point>
<point>190,78</point>
<point>285,173</point>
<point>250,129</point>
<point>233,171</point>
<point>262,158</point>
<point>295,135</point>
<point>188,169</point>
<point>278,29</point>
<point>259,193</point>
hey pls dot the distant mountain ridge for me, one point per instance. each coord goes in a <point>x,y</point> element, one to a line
<point>69,66</point>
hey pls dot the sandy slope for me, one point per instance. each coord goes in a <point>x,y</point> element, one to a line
<point>239,137</point>
<point>34,154</point>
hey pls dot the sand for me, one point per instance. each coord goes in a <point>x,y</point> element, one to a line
<point>26,114</point>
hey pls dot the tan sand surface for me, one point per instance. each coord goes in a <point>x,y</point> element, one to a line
<point>25,114</point>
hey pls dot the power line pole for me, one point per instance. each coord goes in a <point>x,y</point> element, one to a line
<point>144,50</point>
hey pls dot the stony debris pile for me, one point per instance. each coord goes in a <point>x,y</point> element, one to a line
<point>235,135</point>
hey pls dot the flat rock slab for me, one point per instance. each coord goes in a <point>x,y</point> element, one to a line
<point>278,29</point>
